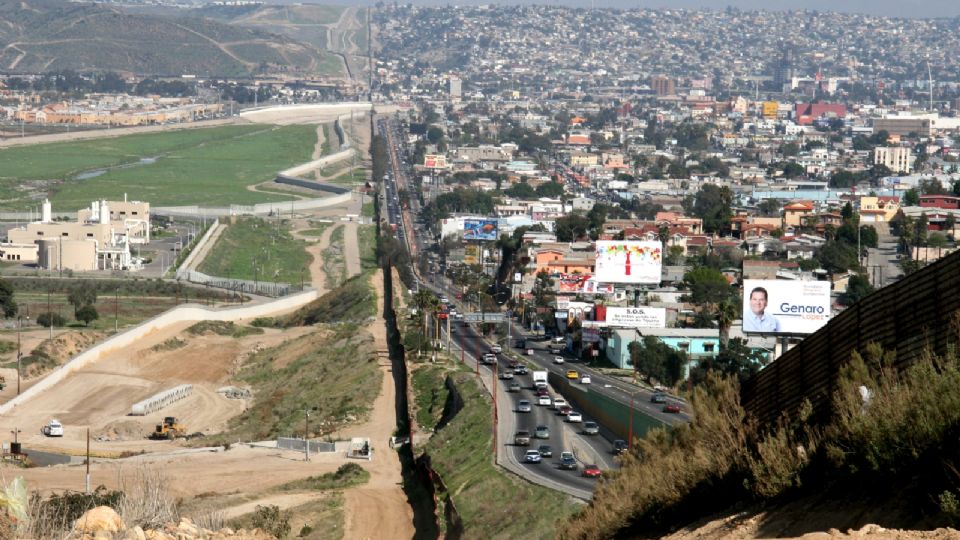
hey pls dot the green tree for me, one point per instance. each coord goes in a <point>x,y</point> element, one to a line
<point>911,198</point>
<point>87,314</point>
<point>47,319</point>
<point>654,359</point>
<point>707,286</point>
<point>570,227</point>
<point>713,205</point>
<point>793,170</point>
<point>553,190</point>
<point>82,294</point>
<point>7,301</point>
<point>521,190</point>
<point>738,359</point>
<point>842,178</point>
<point>857,288</point>
<point>543,289</point>
<point>790,149</point>
<point>837,256</point>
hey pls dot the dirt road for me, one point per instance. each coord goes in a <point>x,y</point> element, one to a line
<point>380,507</point>
<point>351,248</point>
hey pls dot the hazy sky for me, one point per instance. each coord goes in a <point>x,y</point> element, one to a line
<point>890,8</point>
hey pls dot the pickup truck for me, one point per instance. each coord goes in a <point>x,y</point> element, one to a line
<point>522,438</point>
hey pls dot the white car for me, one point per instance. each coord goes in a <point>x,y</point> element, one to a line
<point>574,416</point>
<point>585,379</point>
<point>496,349</point>
<point>53,429</point>
<point>559,402</point>
<point>557,359</point>
<point>532,456</point>
<point>544,400</point>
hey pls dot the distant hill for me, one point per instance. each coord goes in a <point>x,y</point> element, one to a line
<point>46,35</point>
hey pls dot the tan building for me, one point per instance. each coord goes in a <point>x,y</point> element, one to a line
<point>100,239</point>
<point>878,209</point>
<point>794,213</point>
<point>662,86</point>
<point>898,159</point>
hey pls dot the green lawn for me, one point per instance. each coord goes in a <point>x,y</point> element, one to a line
<point>209,166</point>
<point>461,453</point>
<point>367,240</point>
<point>279,257</point>
<point>350,177</point>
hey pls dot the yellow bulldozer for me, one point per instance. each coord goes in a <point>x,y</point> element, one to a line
<point>170,429</point>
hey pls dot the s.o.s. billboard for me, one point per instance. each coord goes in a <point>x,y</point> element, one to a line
<point>785,307</point>
<point>620,261</point>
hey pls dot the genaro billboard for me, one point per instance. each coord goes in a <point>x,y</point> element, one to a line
<point>773,306</point>
<point>480,229</point>
<point>620,261</point>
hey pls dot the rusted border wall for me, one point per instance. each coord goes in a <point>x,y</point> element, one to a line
<point>907,317</point>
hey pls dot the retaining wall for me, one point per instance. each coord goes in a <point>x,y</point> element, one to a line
<point>198,247</point>
<point>607,411</point>
<point>179,314</point>
<point>257,209</point>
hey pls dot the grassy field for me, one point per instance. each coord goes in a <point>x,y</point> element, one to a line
<point>333,369</point>
<point>350,177</point>
<point>367,240</point>
<point>461,453</point>
<point>211,166</point>
<point>250,241</point>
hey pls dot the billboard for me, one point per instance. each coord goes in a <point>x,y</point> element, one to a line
<point>637,317</point>
<point>435,161</point>
<point>773,306</point>
<point>471,254</point>
<point>620,261</point>
<point>480,229</point>
<point>582,283</point>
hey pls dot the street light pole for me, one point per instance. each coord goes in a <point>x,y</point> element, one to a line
<point>19,354</point>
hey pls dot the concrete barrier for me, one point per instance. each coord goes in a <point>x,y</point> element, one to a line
<point>161,399</point>
<point>177,315</point>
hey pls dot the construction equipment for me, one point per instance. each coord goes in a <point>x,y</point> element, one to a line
<point>170,429</point>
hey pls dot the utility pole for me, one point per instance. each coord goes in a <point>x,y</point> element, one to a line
<point>306,435</point>
<point>87,483</point>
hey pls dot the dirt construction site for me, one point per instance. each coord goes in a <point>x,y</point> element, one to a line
<point>99,398</point>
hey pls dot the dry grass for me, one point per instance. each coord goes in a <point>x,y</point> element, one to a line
<point>904,437</point>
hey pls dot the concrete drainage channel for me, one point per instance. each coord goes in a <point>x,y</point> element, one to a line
<point>416,480</point>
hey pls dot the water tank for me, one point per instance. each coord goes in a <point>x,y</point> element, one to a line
<point>47,215</point>
<point>104,213</point>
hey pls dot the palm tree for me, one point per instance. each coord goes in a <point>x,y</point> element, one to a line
<point>726,313</point>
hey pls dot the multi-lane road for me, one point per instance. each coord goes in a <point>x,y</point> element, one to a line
<point>465,341</point>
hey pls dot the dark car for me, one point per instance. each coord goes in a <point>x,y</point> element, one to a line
<point>567,461</point>
<point>620,446</point>
<point>545,450</point>
<point>521,370</point>
<point>592,471</point>
<point>658,397</point>
<point>671,408</point>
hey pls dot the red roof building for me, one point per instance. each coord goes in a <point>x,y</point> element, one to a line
<point>806,113</point>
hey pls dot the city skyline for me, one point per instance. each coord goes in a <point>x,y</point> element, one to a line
<point>884,8</point>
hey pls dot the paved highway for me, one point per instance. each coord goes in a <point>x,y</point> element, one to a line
<point>564,436</point>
